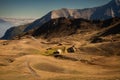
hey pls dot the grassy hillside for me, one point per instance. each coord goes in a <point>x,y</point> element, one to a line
<point>96,54</point>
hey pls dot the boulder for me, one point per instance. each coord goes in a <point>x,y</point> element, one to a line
<point>71,49</point>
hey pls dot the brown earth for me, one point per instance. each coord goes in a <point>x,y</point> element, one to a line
<point>26,59</point>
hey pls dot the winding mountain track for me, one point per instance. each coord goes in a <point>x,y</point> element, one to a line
<point>32,71</point>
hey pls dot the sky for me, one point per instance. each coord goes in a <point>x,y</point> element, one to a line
<point>38,8</point>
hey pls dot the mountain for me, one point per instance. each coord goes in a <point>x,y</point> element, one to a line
<point>64,22</point>
<point>4,25</point>
<point>110,10</point>
<point>2,21</point>
<point>63,27</point>
<point>113,30</point>
<point>14,31</point>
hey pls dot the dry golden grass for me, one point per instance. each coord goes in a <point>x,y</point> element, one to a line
<point>25,60</point>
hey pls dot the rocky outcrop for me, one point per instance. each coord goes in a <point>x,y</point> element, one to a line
<point>110,10</point>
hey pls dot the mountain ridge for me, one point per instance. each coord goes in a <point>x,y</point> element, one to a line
<point>103,13</point>
<point>2,21</point>
<point>110,10</point>
<point>14,31</point>
<point>4,25</point>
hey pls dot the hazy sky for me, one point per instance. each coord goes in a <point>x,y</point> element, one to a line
<point>38,8</point>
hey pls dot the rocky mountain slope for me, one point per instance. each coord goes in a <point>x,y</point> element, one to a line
<point>110,10</point>
<point>65,27</point>
<point>2,21</point>
<point>14,31</point>
<point>54,18</point>
<point>4,25</point>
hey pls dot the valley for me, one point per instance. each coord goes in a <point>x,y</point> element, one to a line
<point>30,59</point>
<point>65,44</point>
